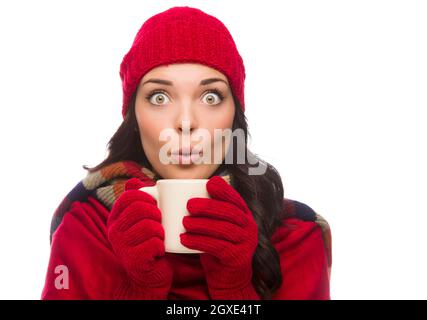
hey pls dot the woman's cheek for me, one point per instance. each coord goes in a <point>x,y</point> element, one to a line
<point>150,140</point>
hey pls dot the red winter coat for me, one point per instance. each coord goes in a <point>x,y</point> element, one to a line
<point>80,243</point>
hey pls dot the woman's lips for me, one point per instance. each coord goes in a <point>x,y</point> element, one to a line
<point>184,156</point>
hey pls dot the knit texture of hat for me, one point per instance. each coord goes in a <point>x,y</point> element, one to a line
<point>178,35</point>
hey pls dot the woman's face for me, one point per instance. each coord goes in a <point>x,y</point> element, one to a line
<point>178,107</point>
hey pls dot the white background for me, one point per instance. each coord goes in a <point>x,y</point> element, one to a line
<point>336,93</point>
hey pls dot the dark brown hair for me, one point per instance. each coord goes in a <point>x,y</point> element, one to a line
<point>262,193</point>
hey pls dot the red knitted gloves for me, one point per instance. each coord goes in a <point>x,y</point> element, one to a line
<point>137,237</point>
<point>224,229</point>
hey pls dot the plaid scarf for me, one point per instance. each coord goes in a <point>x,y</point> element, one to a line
<point>106,185</point>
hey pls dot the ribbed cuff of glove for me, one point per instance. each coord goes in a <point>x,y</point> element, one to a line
<point>246,293</point>
<point>130,291</point>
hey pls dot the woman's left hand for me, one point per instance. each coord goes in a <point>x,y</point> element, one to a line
<point>224,229</point>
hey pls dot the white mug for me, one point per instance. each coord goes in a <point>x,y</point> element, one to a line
<point>172,196</point>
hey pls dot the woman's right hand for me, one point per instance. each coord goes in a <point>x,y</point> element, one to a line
<point>137,238</point>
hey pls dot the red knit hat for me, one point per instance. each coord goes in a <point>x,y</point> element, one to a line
<point>182,34</point>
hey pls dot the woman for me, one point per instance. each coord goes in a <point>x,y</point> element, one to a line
<point>184,74</point>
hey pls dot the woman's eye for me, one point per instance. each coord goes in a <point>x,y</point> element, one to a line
<point>157,98</point>
<point>213,97</point>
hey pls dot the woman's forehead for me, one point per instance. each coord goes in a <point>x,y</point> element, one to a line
<point>184,70</point>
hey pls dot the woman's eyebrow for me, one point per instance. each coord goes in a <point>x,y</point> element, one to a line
<point>211,80</point>
<point>170,83</point>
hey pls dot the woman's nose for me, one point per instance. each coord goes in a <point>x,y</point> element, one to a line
<point>186,120</point>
